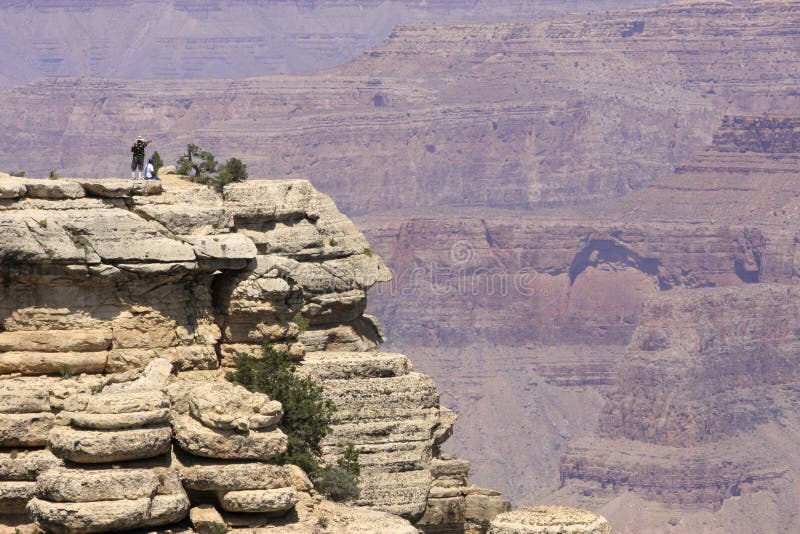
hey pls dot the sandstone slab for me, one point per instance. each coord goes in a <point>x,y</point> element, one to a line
<point>82,485</point>
<point>549,519</point>
<point>26,464</point>
<point>108,516</point>
<point>55,341</point>
<point>26,429</point>
<point>113,188</point>
<point>267,500</point>
<point>102,446</point>
<point>14,495</point>
<point>198,474</point>
<point>115,421</point>
<point>58,363</point>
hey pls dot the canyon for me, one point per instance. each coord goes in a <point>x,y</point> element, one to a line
<point>655,370</point>
<point>212,39</point>
<point>590,221</point>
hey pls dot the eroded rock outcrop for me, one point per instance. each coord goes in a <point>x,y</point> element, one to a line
<point>122,306</point>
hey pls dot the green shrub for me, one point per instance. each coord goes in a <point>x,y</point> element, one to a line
<point>367,251</point>
<point>300,321</point>
<point>232,171</point>
<point>336,483</point>
<point>307,416</point>
<point>157,161</point>
<point>202,167</point>
<point>18,174</point>
<point>53,175</point>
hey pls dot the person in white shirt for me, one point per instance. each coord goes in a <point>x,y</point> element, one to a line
<point>150,171</point>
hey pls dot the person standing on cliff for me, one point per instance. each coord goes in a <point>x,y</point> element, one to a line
<point>137,150</point>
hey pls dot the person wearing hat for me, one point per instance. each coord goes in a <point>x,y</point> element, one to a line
<point>137,161</point>
<point>150,171</point>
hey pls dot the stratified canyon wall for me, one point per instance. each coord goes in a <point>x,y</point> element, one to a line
<point>664,390</point>
<point>179,39</point>
<point>104,279</point>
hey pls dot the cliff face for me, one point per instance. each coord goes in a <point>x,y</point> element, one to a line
<point>506,115</point>
<point>102,279</point>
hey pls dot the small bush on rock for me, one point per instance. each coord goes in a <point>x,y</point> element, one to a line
<point>307,416</point>
<point>340,482</point>
<point>307,419</point>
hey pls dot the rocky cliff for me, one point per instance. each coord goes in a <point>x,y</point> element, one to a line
<point>122,305</point>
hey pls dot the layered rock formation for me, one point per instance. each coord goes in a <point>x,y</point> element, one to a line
<point>220,39</point>
<point>122,305</point>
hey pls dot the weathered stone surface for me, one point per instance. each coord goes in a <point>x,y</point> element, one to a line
<point>345,365</point>
<point>206,520</point>
<point>24,395</point>
<point>53,189</point>
<point>26,464</point>
<point>117,402</point>
<point>204,475</point>
<point>82,485</point>
<point>58,363</point>
<point>227,406</point>
<point>264,500</point>
<point>113,421</point>
<point>547,519</point>
<point>102,446</point>
<point>55,341</point>
<point>110,188</point>
<point>105,516</point>
<point>25,429</point>
<point>197,439</point>
<point>14,495</point>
